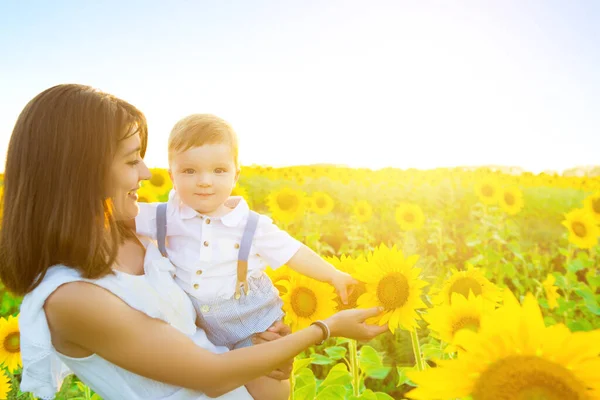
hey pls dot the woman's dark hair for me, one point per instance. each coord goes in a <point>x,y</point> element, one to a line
<point>55,208</point>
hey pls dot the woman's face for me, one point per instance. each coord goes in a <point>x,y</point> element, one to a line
<point>127,171</point>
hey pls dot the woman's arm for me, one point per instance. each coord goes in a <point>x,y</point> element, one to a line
<point>94,319</point>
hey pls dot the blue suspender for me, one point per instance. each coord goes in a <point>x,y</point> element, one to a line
<point>244,252</point>
<point>242,264</point>
<point>161,228</point>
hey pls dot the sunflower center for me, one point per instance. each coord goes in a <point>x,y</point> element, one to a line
<point>320,202</point>
<point>409,217</point>
<point>304,302</point>
<point>596,205</point>
<point>463,286</point>
<point>157,180</point>
<point>392,291</point>
<point>579,229</point>
<point>12,342</point>
<point>470,323</point>
<point>286,201</point>
<point>509,199</point>
<point>487,190</point>
<point>528,378</point>
<point>361,210</point>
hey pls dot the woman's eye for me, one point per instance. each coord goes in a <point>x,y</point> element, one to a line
<point>133,163</point>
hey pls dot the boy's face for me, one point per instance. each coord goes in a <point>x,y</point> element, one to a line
<point>204,177</point>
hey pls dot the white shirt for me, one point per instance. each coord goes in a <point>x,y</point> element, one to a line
<point>204,249</point>
<point>153,293</point>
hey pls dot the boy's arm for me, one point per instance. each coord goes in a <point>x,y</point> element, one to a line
<point>309,263</point>
<point>277,248</point>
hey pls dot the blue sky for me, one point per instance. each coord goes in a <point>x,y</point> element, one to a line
<point>408,84</point>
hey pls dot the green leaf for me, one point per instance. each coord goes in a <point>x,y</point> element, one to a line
<point>383,396</point>
<point>336,352</point>
<point>341,340</point>
<point>320,359</point>
<point>95,396</point>
<point>402,378</point>
<point>371,364</point>
<point>366,395</point>
<point>300,363</point>
<point>333,392</point>
<point>338,375</point>
<point>580,325</point>
<point>575,265</point>
<point>305,386</point>
<point>590,299</point>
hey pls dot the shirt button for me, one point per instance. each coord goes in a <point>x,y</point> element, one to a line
<point>207,221</point>
<point>205,244</point>
<point>199,272</point>
<point>205,308</point>
<point>237,245</point>
<point>196,286</point>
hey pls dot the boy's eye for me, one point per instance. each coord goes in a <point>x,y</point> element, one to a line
<point>188,171</point>
<point>220,170</point>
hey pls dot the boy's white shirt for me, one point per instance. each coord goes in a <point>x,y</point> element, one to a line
<point>204,249</point>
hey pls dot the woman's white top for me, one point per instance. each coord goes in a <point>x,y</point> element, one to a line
<point>155,293</point>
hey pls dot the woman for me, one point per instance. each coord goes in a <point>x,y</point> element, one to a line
<point>98,299</point>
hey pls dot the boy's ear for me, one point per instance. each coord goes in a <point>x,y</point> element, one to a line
<point>237,175</point>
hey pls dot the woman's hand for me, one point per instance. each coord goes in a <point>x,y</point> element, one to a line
<point>351,324</point>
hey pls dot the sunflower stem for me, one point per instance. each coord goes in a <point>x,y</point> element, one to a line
<point>417,349</point>
<point>354,366</point>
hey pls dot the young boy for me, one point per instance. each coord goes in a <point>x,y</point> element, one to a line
<point>220,247</point>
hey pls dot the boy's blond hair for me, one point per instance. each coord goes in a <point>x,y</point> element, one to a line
<point>199,129</point>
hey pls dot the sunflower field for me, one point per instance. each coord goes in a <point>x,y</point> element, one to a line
<point>489,281</point>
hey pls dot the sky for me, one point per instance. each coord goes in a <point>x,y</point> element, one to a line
<point>406,84</point>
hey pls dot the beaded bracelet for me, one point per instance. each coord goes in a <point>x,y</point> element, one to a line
<point>325,329</point>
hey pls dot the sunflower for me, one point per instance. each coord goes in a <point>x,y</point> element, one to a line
<point>160,180</point>
<point>147,194</point>
<point>5,385</point>
<point>409,216</point>
<point>349,265</point>
<point>282,273</point>
<point>515,356</point>
<point>392,282</point>
<point>511,200</point>
<point>10,350</point>
<point>551,291</point>
<point>306,300</point>
<point>583,231</point>
<point>488,190</point>
<point>321,203</point>
<point>592,204</point>
<point>469,281</point>
<point>287,204</point>
<point>446,320</point>
<point>363,211</point>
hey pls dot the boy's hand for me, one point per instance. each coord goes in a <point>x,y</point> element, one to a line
<point>275,331</point>
<point>344,284</point>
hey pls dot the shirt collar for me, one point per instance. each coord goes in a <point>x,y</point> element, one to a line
<point>235,216</point>
<point>231,219</point>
